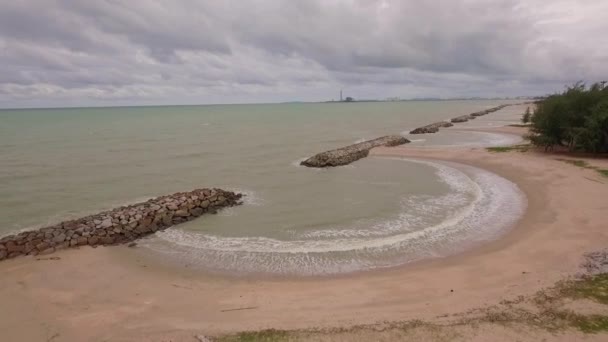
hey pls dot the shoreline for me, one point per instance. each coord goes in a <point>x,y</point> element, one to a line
<point>109,292</point>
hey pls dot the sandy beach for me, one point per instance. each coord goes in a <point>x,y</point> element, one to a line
<point>116,294</point>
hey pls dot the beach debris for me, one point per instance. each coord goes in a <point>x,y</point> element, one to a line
<point>239,309</point>
<point>349,154</point>
<point>202,338</point>
<point>134,244</point>
<point>51,258</point>
<point>121,225</point>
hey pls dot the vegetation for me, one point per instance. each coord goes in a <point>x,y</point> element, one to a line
<point>576,119</point>
<point>585,165</point>
<point>518,148</point>
<point>269,335</point>
<point>545,310</point>
<point>525,119</point>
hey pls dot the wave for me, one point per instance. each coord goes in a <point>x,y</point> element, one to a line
<point>479,207</point>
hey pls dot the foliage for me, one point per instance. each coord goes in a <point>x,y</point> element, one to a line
<point>518,148</point>
<point>576,118</point>
<point>585,165</point>
<point>527,116</point>
<point>269,335</point>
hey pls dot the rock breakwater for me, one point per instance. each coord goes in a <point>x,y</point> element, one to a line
<point>488,111</point>
<point>432,128</point>
<point>463,118</point>
<point>120,225</point>
<point>349,154</point>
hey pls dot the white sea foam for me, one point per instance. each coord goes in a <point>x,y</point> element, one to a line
<point>480,207</point>
<point>250,197</point>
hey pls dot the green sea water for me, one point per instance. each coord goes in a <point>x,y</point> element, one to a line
<point>57,164</point>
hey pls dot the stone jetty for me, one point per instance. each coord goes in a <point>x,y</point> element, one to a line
<point>120,225</point>
<point>488,111</point>
<point>432,128</point>
<point>463,118</point>
<point>349,154</point>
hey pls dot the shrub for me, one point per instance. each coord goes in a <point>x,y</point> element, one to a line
<point>526,117</point>
<point>576,118</point>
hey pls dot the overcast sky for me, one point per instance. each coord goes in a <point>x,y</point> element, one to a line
<point>117,52</point>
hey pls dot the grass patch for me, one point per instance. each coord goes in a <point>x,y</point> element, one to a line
<point>603,172</point>
<point>592,287</point>
<point>518,148</point>
<point>547,315</point>
<point>590,324</point>
<point>579,163</point>
<point>585,165</point>
<point>520,125</point>
<point>269,335</point>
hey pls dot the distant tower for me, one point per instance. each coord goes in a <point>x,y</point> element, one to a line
<point>340,95</point>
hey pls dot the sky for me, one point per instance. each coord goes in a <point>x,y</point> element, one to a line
<point>61,53</point>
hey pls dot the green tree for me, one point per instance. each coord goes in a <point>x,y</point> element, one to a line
<point>526,117</point>
<point>576,119</point>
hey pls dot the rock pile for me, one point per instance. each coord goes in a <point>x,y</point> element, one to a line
<point>432,128</point>
<point>488,111</point>
<point>349,154</point>
<point>119,225</point>
<point>463,118</point>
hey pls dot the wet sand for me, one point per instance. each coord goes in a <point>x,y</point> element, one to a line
<point>114,293</point>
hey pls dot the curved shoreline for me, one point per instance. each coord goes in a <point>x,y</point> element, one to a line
<point>472,201</point>
<point>127,298</point>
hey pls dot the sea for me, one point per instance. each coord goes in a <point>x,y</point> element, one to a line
<point>59,164</point>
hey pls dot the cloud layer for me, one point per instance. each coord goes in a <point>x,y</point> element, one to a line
<point>73,52</point>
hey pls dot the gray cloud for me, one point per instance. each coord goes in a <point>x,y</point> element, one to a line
<point>146,52</point>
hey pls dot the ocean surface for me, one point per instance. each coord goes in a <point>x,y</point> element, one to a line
<point>57,164</point>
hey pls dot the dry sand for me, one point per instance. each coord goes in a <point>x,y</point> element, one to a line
<point>115,294</point>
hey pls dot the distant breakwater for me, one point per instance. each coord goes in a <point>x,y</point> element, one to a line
<point>351,153</point>
<point>434,127</point>
<point>120,225</point>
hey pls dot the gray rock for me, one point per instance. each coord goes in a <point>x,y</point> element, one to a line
<point>47,251</point>
<point>59,238</point>
<point>12,247</point>
<point>42,246</point>
<point>107,223</point>
<point>107,240</point>
<point>182,213</point>
<point>196,211</point>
